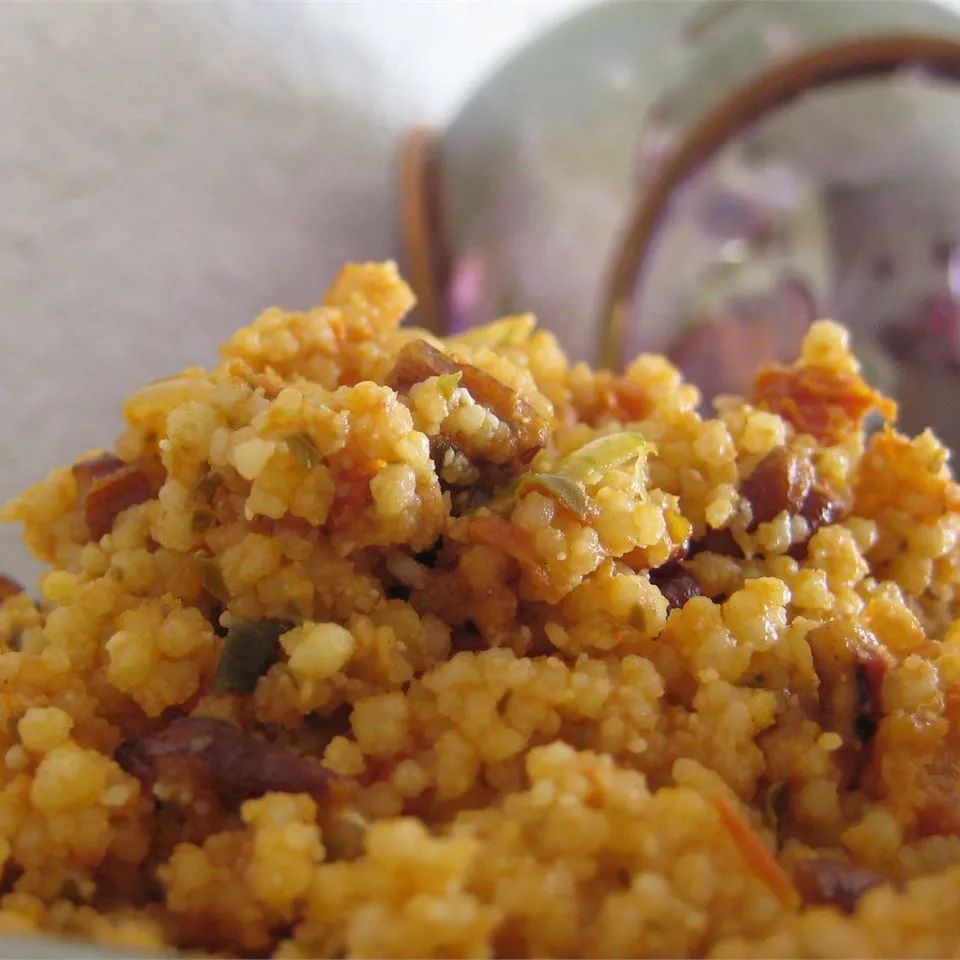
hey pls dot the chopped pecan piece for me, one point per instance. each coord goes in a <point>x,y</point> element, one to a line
<point>784,481</point>
<point>780,481</point>
<point>236,764</point>
<point>851,667</point>
<point>418,361</point>
<point>106,486</point>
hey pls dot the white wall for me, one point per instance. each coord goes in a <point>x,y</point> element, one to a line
<point>167,170</point>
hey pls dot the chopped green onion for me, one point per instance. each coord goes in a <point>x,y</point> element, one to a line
<point>304,449</point>
<point>251,647</point>
<point>594,458</point>
<point>570,493</point>
<point>207,485</point>
<point>775,802</point>
<point>587,464</point>
<point>638,617</point>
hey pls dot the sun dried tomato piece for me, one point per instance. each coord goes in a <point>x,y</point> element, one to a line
<point>619,398</point>
<point>827,404</point>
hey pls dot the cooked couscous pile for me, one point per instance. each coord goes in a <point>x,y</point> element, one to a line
<point>366,643</point>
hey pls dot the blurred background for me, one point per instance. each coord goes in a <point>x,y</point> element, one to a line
<point>167,170</point>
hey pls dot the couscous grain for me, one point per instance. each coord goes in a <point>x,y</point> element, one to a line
<point>368,643</point>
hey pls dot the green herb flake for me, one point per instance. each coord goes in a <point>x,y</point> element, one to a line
<point>207,485</point>
<point>202,520</point>
<point>304,449</point>
<point>775,802</point>
<point>448,382</point>
<point>756,682</point>
<point>638,617</point>
<point>251,647</point>
<point>569,492</point>
<point>212,578</point>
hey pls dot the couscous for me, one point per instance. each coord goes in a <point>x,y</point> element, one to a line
<point>368,643</point>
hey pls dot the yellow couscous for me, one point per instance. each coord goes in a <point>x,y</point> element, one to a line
<point>368,643</point>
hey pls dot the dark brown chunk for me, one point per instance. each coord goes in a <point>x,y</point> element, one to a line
<point>236,764</point>
<point>819,510</point>
<point>469,638</point>
<point>717,541</point>
<point>851,668</point>
<point>106,486</point>
<point>418,361</point>
<point>823,881</point>
<point>784,480</point>
<point>675,584</point>
<point>780,481</point>
<point>868,674</point>
<point>96,468</point>
<point>8,587</point>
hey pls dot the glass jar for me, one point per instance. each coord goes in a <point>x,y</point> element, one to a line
<point>705,179</point>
